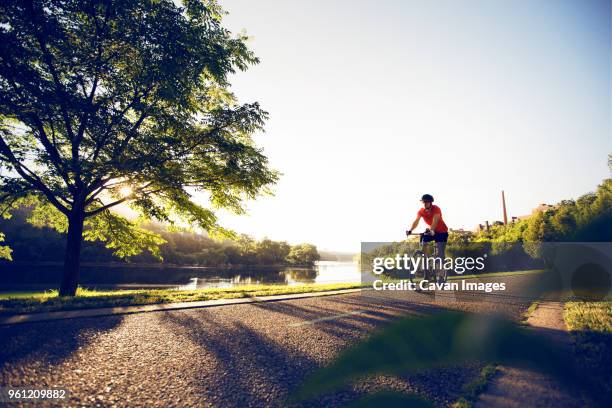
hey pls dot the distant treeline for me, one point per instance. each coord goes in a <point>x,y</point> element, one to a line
<point>34,244</point>
<point>587,219</point>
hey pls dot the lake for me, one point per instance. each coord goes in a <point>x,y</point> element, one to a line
<point>41,276</point>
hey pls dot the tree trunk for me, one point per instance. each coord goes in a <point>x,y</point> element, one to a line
<point>72,258</point>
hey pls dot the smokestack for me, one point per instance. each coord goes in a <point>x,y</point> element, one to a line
<point>504,205</point>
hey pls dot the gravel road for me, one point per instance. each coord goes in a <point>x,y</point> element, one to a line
<point>231,356</point>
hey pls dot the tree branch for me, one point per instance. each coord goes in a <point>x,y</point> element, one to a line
<point>31,177</point>
<point>56,160</point>
<point>48,58</point>
<point>121,200</point>
<point>102,141</point>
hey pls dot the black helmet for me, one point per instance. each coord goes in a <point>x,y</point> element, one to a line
<point>427,198</point>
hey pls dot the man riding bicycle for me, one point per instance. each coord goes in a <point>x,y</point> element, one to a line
<point>438,231</point>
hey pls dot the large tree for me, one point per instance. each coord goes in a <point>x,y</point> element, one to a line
<point>104,102</point>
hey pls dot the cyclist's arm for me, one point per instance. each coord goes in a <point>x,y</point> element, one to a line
<point>415,223</point>
<point>434,223</point>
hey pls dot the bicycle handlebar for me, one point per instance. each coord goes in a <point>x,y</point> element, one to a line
<point>420,233</point>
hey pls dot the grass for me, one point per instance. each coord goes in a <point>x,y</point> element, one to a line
<point>588,316</point>
<point>590,324</point>
<point>473,389</point>
<point>532,308</point>
<point>34,302</point>
<point>497,274</point>
<point>387,278</point>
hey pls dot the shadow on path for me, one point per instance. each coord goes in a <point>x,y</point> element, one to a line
<point>250,369</point>
<point>52,341</point>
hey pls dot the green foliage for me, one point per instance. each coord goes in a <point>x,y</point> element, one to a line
<point>476,387</point>
<point>589,218</point>
<point>105,235</point>
<point>414,345</point>
<point>110,102</point>
<point>43,214</point>
<point>271,252</point>
<point>588,316</point>
<point>303,254</point>
<point>460,237</point>
<point>512,232</point>
<point>122,236</point>
<point>590,324</point>
<point>5,252</point>
<point>32,302</point>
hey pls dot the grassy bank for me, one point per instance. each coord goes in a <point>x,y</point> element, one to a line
<point>388,278</point>
<point>473,389</point>
<point>590,324</point>
<point>33,302</point>
<point>588,316</point>
<point>497,274</point>
<point>531,310</point>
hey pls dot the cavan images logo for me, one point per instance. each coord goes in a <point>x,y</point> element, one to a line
<point>410,264</point>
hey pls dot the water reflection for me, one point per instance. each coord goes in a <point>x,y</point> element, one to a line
<point>323,272</point>
<point>337,272</point>
<point>22,276</point>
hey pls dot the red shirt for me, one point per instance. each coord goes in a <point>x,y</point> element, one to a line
<point>428,216</point>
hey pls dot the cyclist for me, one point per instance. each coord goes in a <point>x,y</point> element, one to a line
<point>437,231</point>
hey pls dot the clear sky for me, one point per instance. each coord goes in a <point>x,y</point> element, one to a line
<point>373,103</point>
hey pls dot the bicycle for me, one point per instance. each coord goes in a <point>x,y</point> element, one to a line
<point>421,272</point>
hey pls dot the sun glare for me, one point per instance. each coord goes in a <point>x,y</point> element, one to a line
<point>125,191</point>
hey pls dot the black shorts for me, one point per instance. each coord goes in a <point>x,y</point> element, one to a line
<point>438,237</point>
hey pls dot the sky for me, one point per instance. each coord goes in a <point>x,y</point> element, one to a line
<point>374,103</point>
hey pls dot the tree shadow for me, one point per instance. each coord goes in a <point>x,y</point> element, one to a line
<point>252,368</point>
<point>344,323</point>
<point>255,370</point>
<point>51,341</point>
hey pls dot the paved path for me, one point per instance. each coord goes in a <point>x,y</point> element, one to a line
<point>228,356</point>
<point>119,310</point>
<point>517,387</point>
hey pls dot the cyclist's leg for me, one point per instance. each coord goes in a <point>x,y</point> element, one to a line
<point>441,250</point>
<point>428,251</point>
<point>441,239</point>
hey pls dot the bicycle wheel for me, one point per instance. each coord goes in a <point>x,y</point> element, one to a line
<point>442,275</point>
<point>420,272</point>
<point>439,275</point>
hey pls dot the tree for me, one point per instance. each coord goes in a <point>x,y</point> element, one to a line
<point>271,252</point>
<point>563,219</point>
<point>595,215</point>
<point>303,254</point>
<point>460,238</point>
<point>104,102</point>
